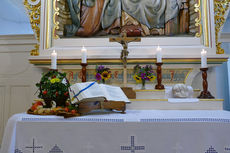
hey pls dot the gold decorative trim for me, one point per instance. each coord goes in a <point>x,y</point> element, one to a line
<point>130,61</point>
<point>34,10</point>
<point>149,90</point>
<point>218,100</point>
<point>187,75</point>
<point>48,26</point>
<point>55,23</point>
<point>212,100</point>
<point>198,19</point>
<point>220,8</point>
<point>154,90</point>
<point>206,29</point>
<point>148,100</point>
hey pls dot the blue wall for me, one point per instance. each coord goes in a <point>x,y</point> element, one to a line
<point>13,18</point>
<point>222,79</point>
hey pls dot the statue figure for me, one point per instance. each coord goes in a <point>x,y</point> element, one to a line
<point>102,17</point>
<point>182,91</point>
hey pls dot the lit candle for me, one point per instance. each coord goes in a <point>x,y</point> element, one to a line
<point>159,54</point>
<point>54,60</point>
<point>83,55</point>
<point>204,59</point>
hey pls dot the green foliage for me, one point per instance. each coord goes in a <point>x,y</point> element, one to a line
<point>54,86</point>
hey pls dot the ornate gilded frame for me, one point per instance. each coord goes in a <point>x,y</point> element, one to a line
<point>33,8</point>
<point>49,24</point>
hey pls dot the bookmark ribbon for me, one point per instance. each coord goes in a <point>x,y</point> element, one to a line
<point>75,96</point>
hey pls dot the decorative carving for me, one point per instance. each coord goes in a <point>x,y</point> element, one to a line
<point>33,9</point>
<point>83,71</point>
<point>220,8</point>
<point>198,19</point>
<point>55,22</point>
<point>205,94</point>
<point>159,86</point>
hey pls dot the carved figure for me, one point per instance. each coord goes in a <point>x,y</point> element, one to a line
<point>102,17</point>
<point>180,91</point>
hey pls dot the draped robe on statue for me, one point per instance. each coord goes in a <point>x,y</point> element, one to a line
<point>90,16</point>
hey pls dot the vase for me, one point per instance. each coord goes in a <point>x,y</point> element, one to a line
<point>103,81</point>
<point>143,84</point>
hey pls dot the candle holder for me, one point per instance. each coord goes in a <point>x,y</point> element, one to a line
<point>205,94</point>
<point>159,77</point>
<point>83,70</point>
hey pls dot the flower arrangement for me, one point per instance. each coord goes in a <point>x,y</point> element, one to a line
<point>102,73</point>
<point>54,87</point>
<point>142,74</point>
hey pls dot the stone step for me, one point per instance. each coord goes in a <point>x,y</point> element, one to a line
<point>157,94</point>
<point>163,104</point>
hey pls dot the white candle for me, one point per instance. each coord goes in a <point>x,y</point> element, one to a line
<point>159,54</point>
<point>204,59</point>
<point>54,60</point>
<point>83,55</point>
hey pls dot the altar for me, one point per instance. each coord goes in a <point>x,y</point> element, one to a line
<point>180,47</point>
<point>137,131</point>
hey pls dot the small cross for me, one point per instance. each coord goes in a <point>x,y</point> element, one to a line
<point>132,148</point>
<point>211,150</point>
<point>124,40</point>
<point>34,147</point>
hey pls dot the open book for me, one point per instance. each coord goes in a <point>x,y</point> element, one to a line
<point>92,91</point>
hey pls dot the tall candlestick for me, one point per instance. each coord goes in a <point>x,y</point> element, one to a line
<point>83,55</point>
<point>204,59</point>
<point>159,54</point>
<point>54,60</point>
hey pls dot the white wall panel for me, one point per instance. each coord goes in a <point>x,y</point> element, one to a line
<point>20,99</point>
<point>2,101</point>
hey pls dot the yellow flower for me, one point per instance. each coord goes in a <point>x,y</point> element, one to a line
<point>105,75</point>
<point>152,78</point>
<point>137,78</point>
<point>53,80</point>
<point>57,80</point>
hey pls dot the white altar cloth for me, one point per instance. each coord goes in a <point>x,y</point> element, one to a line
<point>137,131</point>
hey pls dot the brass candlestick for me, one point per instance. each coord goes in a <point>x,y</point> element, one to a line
<point>83,71</point>
<point>205,94</point>
<point>159,77</point>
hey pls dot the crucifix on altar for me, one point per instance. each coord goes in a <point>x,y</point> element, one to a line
<point>124,40</point>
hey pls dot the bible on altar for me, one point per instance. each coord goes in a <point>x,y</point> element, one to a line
<point>92,91</point>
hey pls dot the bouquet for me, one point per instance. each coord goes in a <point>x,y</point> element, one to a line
<point>142,74</point>
<point>54,87</point>
<point>102,73</point>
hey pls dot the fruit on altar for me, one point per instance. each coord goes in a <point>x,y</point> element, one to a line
<point>35,105</point>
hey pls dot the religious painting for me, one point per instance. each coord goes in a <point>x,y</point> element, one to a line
<point>182,27</point>
<point>142,18</point>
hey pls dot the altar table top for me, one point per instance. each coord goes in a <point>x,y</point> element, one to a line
<point>136,131</point>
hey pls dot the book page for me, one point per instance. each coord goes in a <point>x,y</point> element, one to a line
<point>113,93</point>
<point>73,90</point>
<point>90,93</point>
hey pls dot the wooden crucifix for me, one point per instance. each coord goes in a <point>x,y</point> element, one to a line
<point>124,40</point>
